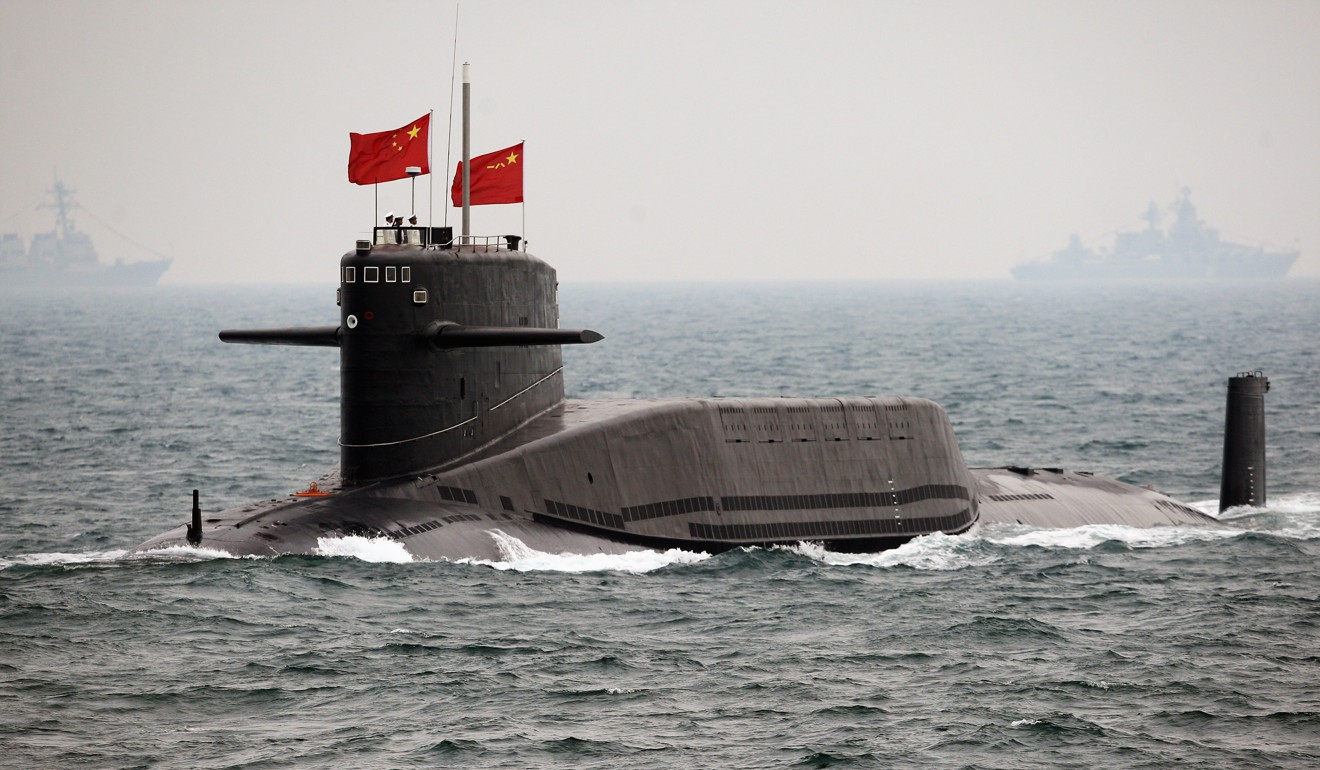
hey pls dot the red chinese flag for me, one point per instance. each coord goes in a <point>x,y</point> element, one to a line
<point>496,178</point>
<point>385,156</point>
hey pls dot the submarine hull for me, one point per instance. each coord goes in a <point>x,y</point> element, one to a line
<point>856,474</point>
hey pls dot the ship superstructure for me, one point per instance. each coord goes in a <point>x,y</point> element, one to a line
<point>1188,249</point>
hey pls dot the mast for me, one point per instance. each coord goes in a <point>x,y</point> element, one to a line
<point>467,147</point>
<point>63,202</point>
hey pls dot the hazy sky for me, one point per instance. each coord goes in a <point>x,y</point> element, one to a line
<point>670,140</point>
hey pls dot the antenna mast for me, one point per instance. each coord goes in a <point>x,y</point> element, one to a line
<point>63,202</point>
<point>467,148</point>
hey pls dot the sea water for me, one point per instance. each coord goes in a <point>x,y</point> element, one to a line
<point>1008,647</point>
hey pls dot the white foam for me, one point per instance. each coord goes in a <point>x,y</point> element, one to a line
<point>60,559</point>
<point>178,553</point>
<point>517,555</point>
<point>187,553</point>
<point>937,551</point>
<point>1024,722</point>
<point>1091,535</point>
<point>372,549</point>
<point>1295,516</point>
<point>1304,502</point>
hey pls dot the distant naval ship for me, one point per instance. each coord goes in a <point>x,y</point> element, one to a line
<point>1188,250</point>
<point>65,258</point>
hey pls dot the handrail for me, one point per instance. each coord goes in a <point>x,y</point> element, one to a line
<point>442,238</point>
<point>507,241</point>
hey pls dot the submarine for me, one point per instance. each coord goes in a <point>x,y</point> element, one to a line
<point>456,437</point>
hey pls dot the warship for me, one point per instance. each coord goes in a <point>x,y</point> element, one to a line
<point>456,439</point>
<point>64,257</point>
<point>1187,250</point>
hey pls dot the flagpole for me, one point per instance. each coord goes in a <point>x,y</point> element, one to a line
<point>467,147</point>
<point>430,182</point>
<point>523,205</point>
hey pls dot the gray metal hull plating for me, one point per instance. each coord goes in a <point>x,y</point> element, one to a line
<point>699,474</point>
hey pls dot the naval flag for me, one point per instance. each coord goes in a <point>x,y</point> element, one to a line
<point>386,155</point>
<point>497,177</point>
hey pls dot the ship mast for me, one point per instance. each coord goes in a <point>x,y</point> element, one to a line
<point>63,202</point>
<point>467,147</point>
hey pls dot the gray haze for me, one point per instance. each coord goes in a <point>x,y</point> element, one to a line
<point>670,140</point>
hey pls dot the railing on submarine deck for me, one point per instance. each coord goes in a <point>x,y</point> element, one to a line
<point>442,237</point>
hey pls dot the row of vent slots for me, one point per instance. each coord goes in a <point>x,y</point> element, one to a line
<point>589,515</point>
<point>370,274</point>
<point>686,505</point>
<point>823,501</point>
<point>807,409</point>
<point>827,529</point>
<point>1014,498</point>
<point>845,499</point>
<point>774,426</point>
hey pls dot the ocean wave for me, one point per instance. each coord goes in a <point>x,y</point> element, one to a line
<point>939,552</point>
<point>1092,535</point>
<point>62,559</point>
<point>186,553</point>
<point>119,557</point>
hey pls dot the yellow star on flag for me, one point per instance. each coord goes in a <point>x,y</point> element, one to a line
<point>412,134</point>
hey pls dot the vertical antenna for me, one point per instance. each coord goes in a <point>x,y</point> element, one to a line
<point>449,137</point>
<point>467,146</point>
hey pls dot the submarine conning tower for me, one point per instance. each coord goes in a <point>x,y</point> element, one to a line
<point>409,401</point>
<point>443,349</point>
